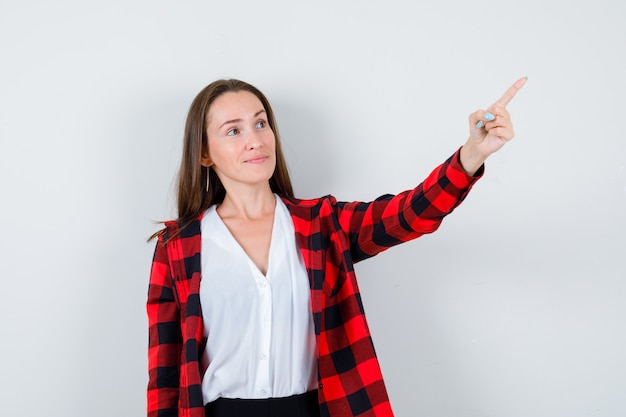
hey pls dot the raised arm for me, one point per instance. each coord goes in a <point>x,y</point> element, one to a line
<point>390,220</point>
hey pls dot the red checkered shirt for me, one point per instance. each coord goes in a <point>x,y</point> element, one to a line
<point>332,236</point>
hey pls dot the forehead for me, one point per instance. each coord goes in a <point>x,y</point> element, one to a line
<point>234,105</point>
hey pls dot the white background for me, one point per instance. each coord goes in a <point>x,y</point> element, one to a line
<point>515,307</point>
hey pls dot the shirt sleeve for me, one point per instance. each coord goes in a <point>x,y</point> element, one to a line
<point>165,340</point>
<point>392,219</point>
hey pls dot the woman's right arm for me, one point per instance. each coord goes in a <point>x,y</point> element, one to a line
<point>165,340</point>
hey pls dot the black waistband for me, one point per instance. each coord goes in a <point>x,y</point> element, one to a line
<point>305,405</point>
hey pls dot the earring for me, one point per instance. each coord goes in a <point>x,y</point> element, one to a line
<point>207,179</point>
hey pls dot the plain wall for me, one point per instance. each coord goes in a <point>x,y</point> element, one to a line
<point>515,307</point>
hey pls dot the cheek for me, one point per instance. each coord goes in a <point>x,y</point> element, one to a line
<point>225,150</point>
<point>271,140</point>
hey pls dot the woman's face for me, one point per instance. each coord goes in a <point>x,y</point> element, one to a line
<point>241,142</point>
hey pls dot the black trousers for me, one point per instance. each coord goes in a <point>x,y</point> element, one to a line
<point>302,405</point>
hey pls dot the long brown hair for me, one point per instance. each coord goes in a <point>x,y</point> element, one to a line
<point>192,195</point>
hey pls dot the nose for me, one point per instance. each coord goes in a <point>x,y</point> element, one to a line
<point>254,141</point>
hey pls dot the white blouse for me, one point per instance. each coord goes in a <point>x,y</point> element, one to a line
<point>261,337</point>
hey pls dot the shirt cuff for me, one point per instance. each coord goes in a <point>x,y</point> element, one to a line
<point>457,175</point>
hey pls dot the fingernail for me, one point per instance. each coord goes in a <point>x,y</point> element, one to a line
<point>489,116</point>
<point>479,124</point>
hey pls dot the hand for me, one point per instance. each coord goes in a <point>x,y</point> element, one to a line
<point>489,130</point>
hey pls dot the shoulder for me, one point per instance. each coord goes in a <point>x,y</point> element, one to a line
<point>308,203</point>
<point>180,229</point>
<point>309,207</point>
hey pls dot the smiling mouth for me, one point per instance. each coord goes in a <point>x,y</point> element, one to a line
<point>257,159</point>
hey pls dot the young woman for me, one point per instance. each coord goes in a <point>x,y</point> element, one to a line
<point>253,304</point>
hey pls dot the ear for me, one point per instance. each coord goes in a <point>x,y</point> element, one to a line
<point>205,159</point>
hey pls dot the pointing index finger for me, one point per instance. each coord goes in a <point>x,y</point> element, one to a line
<point>510,93</point>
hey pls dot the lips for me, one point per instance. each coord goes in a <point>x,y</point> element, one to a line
<point>257,159</point>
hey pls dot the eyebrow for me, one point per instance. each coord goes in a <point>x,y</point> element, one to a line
<point>239,120</point>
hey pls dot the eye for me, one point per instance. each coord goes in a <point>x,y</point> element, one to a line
<point>260,124</point>
<point>232,132</point>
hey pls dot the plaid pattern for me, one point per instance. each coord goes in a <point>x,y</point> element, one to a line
<point>332,236</point>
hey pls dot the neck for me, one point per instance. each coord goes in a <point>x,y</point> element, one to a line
<point>251,203</point>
